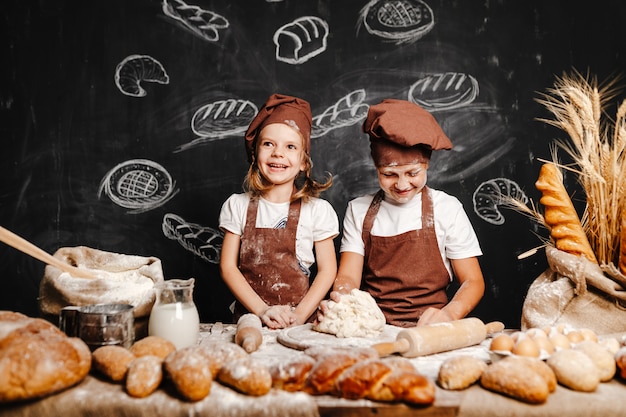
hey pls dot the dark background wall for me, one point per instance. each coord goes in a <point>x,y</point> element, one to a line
<point>68,130</point>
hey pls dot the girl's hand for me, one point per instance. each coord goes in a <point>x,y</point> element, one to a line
<point>323,307</point>
<point>278,317</point>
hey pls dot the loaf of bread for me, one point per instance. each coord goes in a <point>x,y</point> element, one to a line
<point>291,375</point>
<point>248,376</point>
<point>190,372</point>
<point>37,359</point>
<point>620,361</point>
<point>154,346</point>
<point>217,353</point>
<point>560,215</point>
<point>112,361</point>
<point>574,370</point>
<point>144,376</point>
<point>601,357</point>
<point>459,372</point>
<point>512,377</point>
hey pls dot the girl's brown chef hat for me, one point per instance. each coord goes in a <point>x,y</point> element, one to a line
<point>402,133</point>
<point>280,108</point>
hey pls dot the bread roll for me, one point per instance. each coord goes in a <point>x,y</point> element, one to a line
<point>459,372</point>
<point>247,376</point>
<point>292,375</point>
<point>362,379</point>
<point>327,370</point>
<point>560,215</point>
<point>574,370</point>
<point>513,378</point>
<point>620,361</point>
<point>190,371</point>
<point>37,359</point>
<point>409,387</point>
<point>541,368</point>
<point>153,345</point>
<point>112,361</point>
<point>217,353</point>
<point>601,358</point>
<point>144,376</point>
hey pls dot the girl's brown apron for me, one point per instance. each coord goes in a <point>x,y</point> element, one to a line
<point>404,273</point>
<point>267,259</point>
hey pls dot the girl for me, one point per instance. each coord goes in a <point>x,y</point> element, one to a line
<point>273,230</point>
<point>405,243</point>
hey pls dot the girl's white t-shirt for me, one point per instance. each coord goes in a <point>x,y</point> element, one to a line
<point>318,221</point>
<point>455,234</point>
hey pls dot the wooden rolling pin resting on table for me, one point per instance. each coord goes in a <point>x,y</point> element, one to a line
<point>439,337</point>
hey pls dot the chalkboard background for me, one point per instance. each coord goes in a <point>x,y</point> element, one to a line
<point>69,131</point>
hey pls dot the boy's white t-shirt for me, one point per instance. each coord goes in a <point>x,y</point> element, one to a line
<point>318,221</point>
<point>455,234</point>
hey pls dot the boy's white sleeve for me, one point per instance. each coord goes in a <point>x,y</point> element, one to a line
<point>352,240</point>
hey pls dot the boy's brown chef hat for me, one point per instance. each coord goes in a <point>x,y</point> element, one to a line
<point>402,133</point>
<point>280,108</point>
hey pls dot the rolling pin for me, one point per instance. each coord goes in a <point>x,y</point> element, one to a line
<point>439,337</point>
<point>248,334</point>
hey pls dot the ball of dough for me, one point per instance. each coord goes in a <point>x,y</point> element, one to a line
<point>355,315</point>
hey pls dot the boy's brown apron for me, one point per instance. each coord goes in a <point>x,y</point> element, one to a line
<point>267,259</point>
<point>404,273</point>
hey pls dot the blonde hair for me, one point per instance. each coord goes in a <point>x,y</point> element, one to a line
<point>306,187</point>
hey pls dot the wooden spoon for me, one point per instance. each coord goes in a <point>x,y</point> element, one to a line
<point>28,248</point>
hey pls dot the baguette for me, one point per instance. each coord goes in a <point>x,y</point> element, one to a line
<point>560,215</point>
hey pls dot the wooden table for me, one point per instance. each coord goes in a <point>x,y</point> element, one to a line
<point>97,397</point>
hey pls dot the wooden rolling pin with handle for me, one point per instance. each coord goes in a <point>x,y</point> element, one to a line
<point>248,334</point>
<point>439,337</point>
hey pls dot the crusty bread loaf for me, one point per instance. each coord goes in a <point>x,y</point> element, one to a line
<point>512,377</point>
<point>560,215</point>
<point>37,359</point>
<point>574,370</point>
<point>601,357</point>
<point>459,372</point>
<point>112,361</point>
<point>247,376</point>
<point>153,345</point>
<point>292,375</point>
<point>190,372</point>
<point>217,353</point>
<point>144,376</point>
<point>327,370</point>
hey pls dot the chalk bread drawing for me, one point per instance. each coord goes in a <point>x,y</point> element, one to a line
<point>492,194</point>
<point>349,110</point>
<point>301,40</point>
<point>401,21</point>
<point>444,91</point>
<point>137,68</point>
<point>220,119</point>
<point>200,22</point>
<point>138,184</point>
<point>203,241</point>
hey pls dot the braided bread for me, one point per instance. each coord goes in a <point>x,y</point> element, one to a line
<point>560,214</point>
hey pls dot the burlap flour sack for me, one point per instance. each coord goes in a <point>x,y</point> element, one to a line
<point>124,279</point>
<point>576,292</point>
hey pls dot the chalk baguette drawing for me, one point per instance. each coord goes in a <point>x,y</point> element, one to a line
<point>137,68</point>
<point>491,194</point>
<point>202,23</point>
<point>138,184</point>
<point>202,241</point>
<point>220,119</point>
<point>300,40</point>
<point>348,110</point>
<point>400,21</point>
<point>444,91</point>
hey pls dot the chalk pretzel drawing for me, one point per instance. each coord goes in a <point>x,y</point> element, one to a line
<point>301,40</point>
<point>202,241</point>
<point>491,194</point>
<point>402,21</point>
<point>348,110</point>
<point>202,23</point>
<point>220,119</point>
<point>137,68</point>
<point>444,91</point>
<point>138,184</point>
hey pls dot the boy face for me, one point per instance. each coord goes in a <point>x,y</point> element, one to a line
<point>402,182</point>
<point>279,153</point>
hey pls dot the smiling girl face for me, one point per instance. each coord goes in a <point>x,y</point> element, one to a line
<point>280,153</point>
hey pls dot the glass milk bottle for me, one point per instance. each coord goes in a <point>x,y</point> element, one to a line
<point>174,315</point>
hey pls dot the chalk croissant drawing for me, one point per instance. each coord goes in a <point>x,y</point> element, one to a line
<point>138,184</point>
<point>491,195</point>
<point>220,119</point>
<point>444,91</point>
<point>202,23</point>
<point>348,110</point>
<point>400,21</point>
<point>301,40</point>
<point>137,68</point>
<point>202,241</point>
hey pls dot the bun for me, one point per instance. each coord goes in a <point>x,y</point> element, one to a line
<point>37,358</point>
<point>291,376</point>
<point>144,376</point>
<point>301,40</point>
<point>601,358</point>
<point>574,370</point>
<point>190,372</point>
<point>247,376</point>
<point>459,372</point>
<point>152,345</point>
<point>512,377</point>
<point>560,215</point>
<point>112,361</point>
